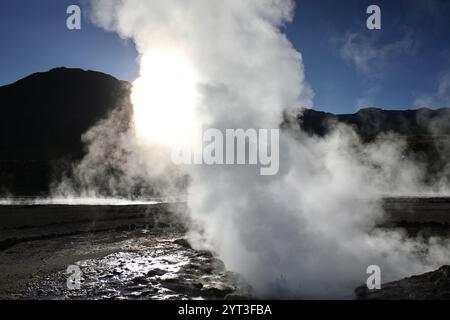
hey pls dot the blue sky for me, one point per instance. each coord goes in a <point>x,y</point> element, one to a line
<point>404,65</point>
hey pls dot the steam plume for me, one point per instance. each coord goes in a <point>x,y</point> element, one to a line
<point>306,232</point>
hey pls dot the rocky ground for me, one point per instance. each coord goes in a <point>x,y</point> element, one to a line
<point>129,253</point>
<point>428,286</point>
<point>154,267</point>
<point>139,251</point>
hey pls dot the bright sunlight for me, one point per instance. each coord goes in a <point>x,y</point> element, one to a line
<point>164,98</point>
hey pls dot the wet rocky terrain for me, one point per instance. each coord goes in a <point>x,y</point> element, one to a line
<point>122,252</point>
<point>138,250</point>
<point>164,268</point>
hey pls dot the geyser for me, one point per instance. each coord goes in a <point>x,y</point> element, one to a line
<point>307,231</point>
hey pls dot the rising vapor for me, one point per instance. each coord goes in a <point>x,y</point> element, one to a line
<point>306,232</point>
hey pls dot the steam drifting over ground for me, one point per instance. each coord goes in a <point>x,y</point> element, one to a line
<point>307,231</point>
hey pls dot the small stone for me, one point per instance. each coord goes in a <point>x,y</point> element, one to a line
<point>155,272</point>
<point>183,242</point>
<point>216,290</point>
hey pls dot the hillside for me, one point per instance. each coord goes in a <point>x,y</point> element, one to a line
<point>42,119</point>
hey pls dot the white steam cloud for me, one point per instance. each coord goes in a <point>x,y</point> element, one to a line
<point>307,231</point>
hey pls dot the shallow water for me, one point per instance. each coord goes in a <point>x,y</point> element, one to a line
<point>76,201</point>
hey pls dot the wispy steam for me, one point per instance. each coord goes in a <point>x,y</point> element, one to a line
<point>440,98</point>
<point>118,165</point>
<point>370,57</point>
<point>307,231</point>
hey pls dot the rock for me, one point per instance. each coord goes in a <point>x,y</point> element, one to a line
<point>183,242</point>
<point>433,285</point>
<point>155,272</point>
<point>117,272</point>
<point>181,286</point>
<point>216,290</point>
<point>140,280</point>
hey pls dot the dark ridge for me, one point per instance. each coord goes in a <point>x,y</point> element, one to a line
<point>370,122</point>
<point>426,132</point>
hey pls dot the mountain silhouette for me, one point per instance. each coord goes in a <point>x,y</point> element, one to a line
<point>42,119</point>
<point>44,116</point>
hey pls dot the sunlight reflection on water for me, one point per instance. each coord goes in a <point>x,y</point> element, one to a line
<point>78,201</point>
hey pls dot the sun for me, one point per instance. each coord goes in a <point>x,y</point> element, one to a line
<point>164,98</point>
